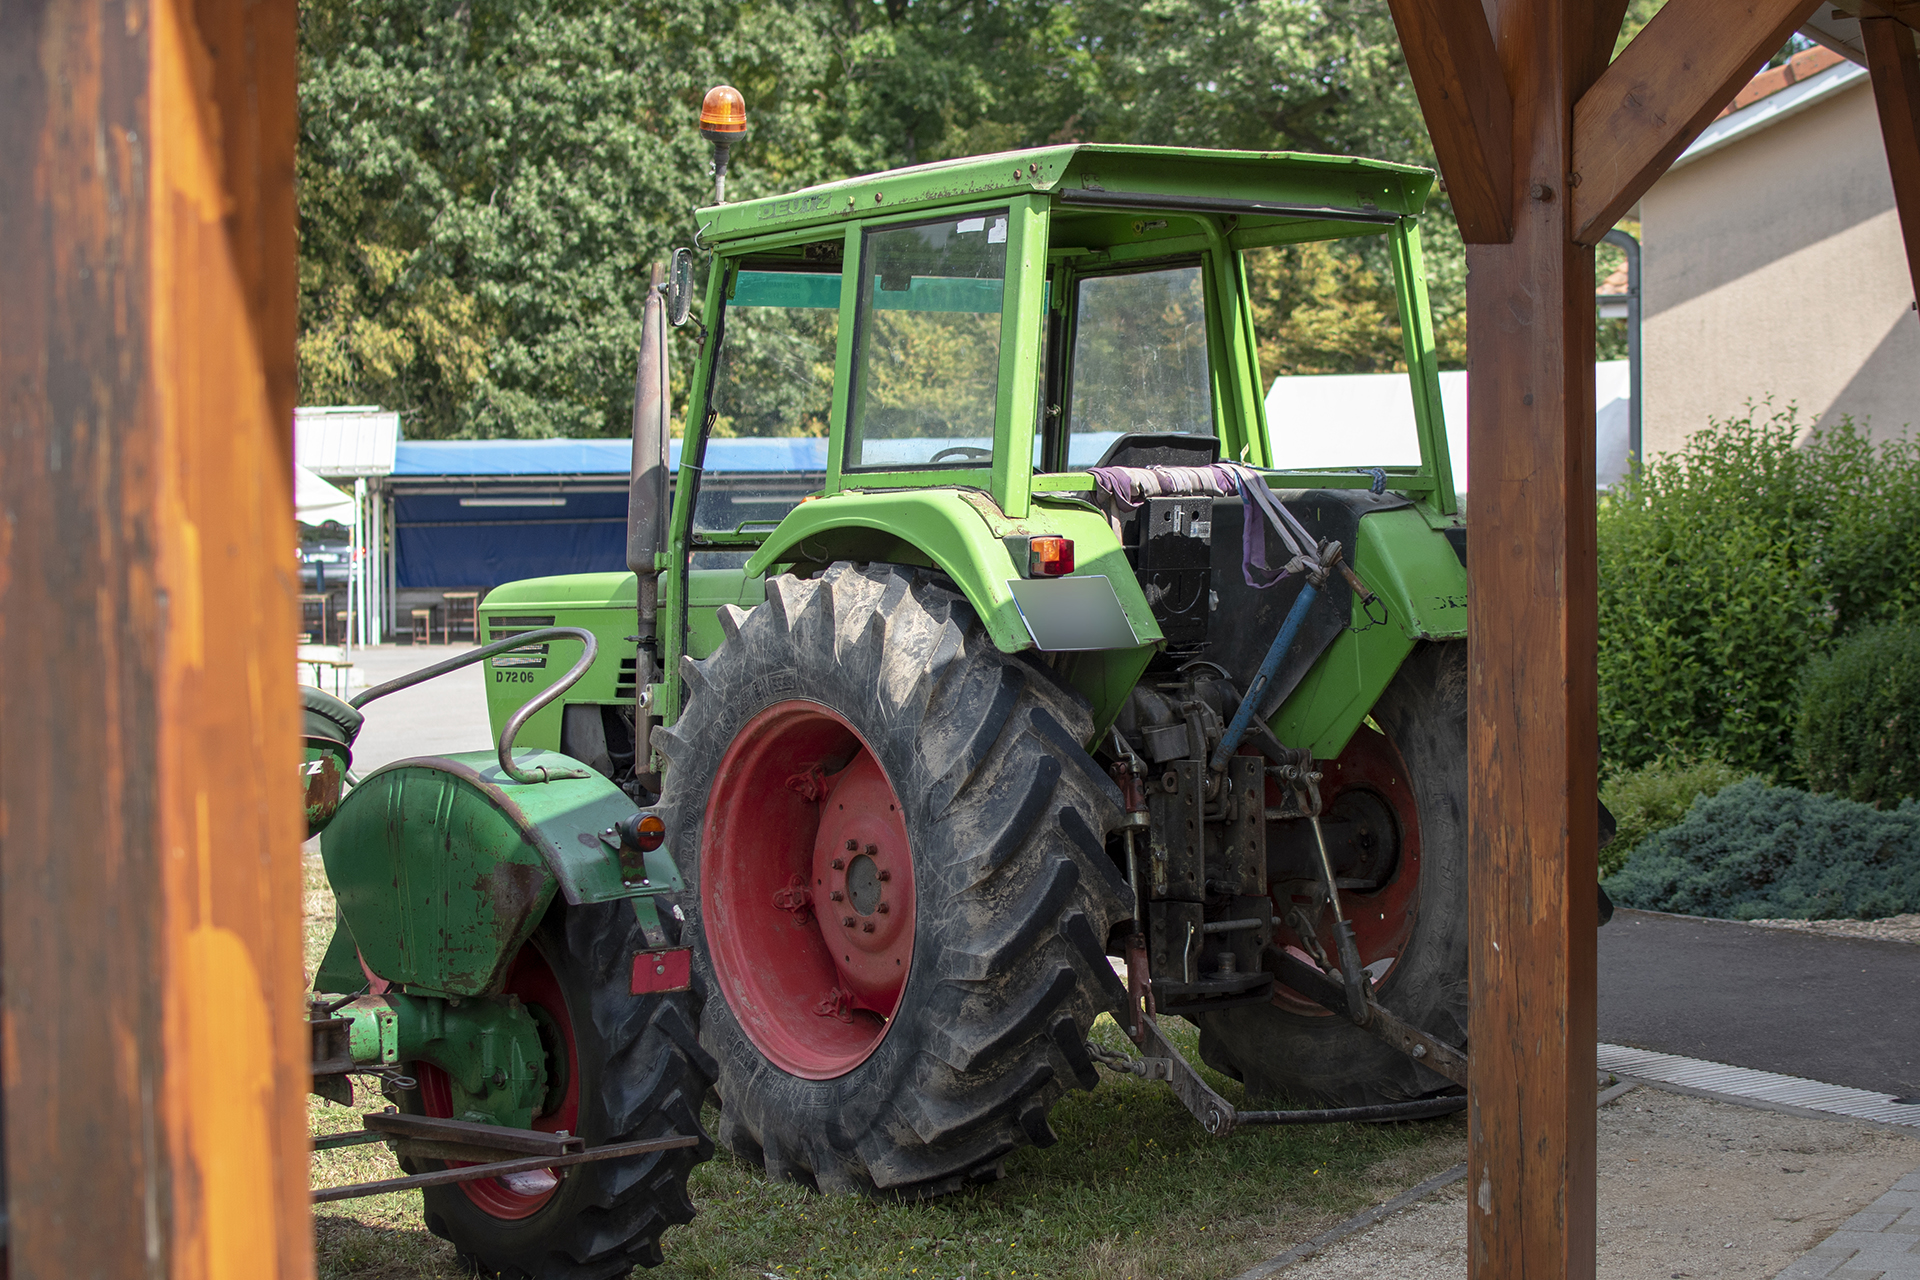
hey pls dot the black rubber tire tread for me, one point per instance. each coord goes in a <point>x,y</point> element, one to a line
<point>1014,891</point>
<point>1276,1052</point>
<point>643,1076</point>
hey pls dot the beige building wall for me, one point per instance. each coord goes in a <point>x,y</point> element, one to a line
<point>1774,266</point>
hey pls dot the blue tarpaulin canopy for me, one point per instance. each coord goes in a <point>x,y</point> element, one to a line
<point>477,513</point>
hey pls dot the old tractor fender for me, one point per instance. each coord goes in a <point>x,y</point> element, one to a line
<point>1422,581</point>
<point>966,536</point>
<point>441,867</point>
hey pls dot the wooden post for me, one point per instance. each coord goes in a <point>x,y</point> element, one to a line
<point>1895,71</point>
<point>1588,136</point>
<point>1532,700</point>
<point>154,1064</point>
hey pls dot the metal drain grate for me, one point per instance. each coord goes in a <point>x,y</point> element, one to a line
<point>1758,1086</point>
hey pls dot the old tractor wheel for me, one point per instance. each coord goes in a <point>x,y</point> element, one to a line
<point>900,895</point>
<point>1405,788</point>
<point>620,1068</point>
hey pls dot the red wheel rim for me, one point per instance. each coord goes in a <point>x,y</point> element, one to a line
<point>520,1195</point>
<point>1382,919</point>
<point>806,888</point>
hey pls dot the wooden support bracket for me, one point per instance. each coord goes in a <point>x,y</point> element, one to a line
<point>1463,92</point>
<point>1660,93</point>
<point>1895,70</point>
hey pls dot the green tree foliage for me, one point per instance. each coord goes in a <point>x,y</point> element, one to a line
<point>484,182</point>
<point>1723,569</point>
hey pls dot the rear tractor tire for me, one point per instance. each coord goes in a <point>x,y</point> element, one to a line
<point>899,890</point>
<point>621,1068</point>
<point>1406,783</point>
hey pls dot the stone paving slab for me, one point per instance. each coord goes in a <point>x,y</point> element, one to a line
<point>1881,1242</point>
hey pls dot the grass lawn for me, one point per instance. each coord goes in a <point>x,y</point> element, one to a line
<point>1133,1190</point>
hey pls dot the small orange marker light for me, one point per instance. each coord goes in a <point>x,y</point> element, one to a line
<point>723,114</point>
<point>650,832</point>
<point>1049,556</point>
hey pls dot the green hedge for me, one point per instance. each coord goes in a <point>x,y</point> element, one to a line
<point>1859,730</point>
<point>1725,568</point>
<point>1654,797</point>
<point>1756,852</point>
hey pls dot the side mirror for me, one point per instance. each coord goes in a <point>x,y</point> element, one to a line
<point>680,287</point>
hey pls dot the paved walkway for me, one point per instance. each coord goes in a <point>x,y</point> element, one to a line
<point>447,714</point>
<point>1881,1242</point>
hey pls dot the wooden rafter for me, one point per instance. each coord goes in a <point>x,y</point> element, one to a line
<point>1463,93</point>
<point>1895,70</point>
<point>1607,17</point>
<point>1667,86</point>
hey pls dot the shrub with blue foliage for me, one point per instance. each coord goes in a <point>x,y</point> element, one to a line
<point>1755,852</point>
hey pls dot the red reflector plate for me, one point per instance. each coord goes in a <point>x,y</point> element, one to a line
<point>662,971</point>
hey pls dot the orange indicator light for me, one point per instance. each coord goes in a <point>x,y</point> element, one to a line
<point>723,114</point>
<point>1049,556</point>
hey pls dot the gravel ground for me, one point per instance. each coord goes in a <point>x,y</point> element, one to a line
<point>1687,1188</point>
<point>1890,929</point>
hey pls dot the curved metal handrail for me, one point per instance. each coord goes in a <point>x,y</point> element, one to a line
<point>533,707</point>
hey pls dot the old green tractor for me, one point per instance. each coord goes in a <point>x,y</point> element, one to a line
<point>507,961</point>
<point>990,644</point>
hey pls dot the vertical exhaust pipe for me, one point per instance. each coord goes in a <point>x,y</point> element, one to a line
<point>648,506</point>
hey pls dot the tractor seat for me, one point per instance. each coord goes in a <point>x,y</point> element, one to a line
<point>329,718</point>
<point>1161,449</point>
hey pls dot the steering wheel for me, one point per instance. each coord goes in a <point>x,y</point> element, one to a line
<point>967,451</point>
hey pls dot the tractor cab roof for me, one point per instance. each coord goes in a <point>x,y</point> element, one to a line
<point>1340,195</point>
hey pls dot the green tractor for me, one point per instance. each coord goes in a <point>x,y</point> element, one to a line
<point>981,653</point>
<point>979,669</point>
<point>507,962</point>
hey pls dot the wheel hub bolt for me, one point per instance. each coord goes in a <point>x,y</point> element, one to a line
<point>873,851</point>
<point>852,845</point>
<point>867,927</point>
<point>847,921</point>
<point>885,875</point>
<point>839,864</point>
<point>836,895</point>
<point>882,908</point>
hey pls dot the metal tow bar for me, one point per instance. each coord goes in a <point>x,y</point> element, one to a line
<point>434,1138</point>
<point>1160,1060</point>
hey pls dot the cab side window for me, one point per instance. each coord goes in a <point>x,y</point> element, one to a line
<point>927,346</point>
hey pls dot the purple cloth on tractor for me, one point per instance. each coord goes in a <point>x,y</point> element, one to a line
<point>1129,487</point>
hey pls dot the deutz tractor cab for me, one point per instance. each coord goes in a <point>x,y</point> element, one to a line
<point>995,635</point>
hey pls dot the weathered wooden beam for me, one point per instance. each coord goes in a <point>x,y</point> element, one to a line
<point>1663,89</point>
<point>1463,93</point>
<point>1532,701</point>
<point>1608,15</point>
<point>1895,71</point>
<point>149,814</point>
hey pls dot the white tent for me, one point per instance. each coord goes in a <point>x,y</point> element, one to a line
<point>1341,420</point>
<point>315,501</point>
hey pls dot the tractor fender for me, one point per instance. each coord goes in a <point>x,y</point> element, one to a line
<point>1422,583</point>
<point>441,867</point>
<point>964,534</point>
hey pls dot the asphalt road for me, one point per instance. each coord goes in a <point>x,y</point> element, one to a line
<point>443,715</point>
<point>1841,1010</point>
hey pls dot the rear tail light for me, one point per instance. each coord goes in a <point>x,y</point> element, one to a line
<point>1049,556</point>
<point>642,832</point>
